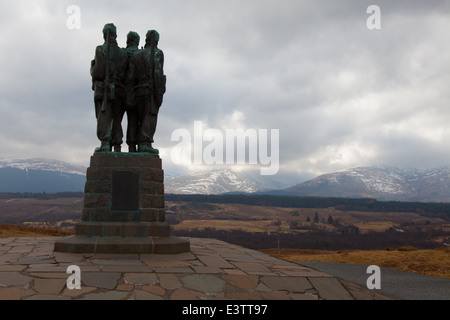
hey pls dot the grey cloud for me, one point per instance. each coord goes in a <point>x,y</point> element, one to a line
<point>311,69</point>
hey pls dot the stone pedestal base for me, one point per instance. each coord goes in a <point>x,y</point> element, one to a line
<point>122,245</point>
<point>123,208</point>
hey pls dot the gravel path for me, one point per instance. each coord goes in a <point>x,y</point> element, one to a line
<point>395,284</point>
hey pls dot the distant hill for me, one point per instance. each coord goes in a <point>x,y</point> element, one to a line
<point>40,175</point>
<point>218,182</point>
<point>380,182</point>
<point>46,175</point>
<point>377,182</point>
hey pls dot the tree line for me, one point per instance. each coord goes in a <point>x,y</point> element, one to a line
<point>40,195</point>
<point>319,240</point>
<point>427,209</point>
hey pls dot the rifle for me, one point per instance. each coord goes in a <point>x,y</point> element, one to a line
<point>106,84</point>
<point>152,69</point>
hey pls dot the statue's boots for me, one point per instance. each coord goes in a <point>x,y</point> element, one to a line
<point>105,147</point>
<point>148,148</point>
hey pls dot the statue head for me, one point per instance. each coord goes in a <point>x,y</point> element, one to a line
<point>152,36</point>
<point>133,39</point>
<point>112,31</point>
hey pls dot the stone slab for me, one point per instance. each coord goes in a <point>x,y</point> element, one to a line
<point>49,286</point>
<point>211,270</point>
<point>121,229</point>
<point>125,159</point>
<point>290,284</point>
<point>12,293</point>
<point>204,283</point>
<point>105,280</point>
<point>141,278</point>
<point>14,279</point>
<point>330,289</point>
<point>122,245</point>
<point>215,260</point>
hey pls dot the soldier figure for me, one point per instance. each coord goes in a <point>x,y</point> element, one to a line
<point>108,75</point>
<point>147,81</point>
<point>133,39</point>
<point>132,116</point>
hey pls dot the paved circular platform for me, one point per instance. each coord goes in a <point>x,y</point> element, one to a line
<point>213,270</point>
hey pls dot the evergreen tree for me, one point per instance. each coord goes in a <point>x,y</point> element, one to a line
<point>316,218</point>
<point>330,219</point>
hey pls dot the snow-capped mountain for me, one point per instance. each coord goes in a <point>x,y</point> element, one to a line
<point>212,182</point>
<point>42,164</point>
<point>45,175</point>
<point>40,175</point>
<point>381,182</point>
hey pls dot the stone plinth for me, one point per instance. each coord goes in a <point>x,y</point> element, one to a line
<point>123,208</point>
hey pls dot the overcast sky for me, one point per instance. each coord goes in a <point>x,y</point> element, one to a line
<point>341,94</point>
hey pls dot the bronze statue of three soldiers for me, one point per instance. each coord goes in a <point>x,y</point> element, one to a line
<point>127,80</point>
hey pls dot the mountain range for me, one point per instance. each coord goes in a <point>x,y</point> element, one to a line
<point>219,182</point>
<point>40,175</point>
<point>380,182</point>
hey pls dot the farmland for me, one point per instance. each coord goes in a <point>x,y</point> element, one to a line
<point>266,222</point>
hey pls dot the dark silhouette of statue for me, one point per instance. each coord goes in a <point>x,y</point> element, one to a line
<point>108,70</point>
<point>146,85</point>
<point>133,40</point>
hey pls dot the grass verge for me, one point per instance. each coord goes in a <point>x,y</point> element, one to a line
<point>428,262</point>
<point>12,231</point>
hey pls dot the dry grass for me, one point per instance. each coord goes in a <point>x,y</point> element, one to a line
<point>248,226</point>
<point>428,262</point>
<point>12,231</point>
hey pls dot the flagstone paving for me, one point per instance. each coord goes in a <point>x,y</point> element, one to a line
<point>30,270</point>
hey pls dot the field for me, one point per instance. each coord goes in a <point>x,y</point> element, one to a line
<point>277,219</point>
<point>59,212</point>
<point>428,262</point>
<point>263,227</point>
<point>412,240</point>
<point>265,222</point>
<point>329,227</point>
<point>13,231</point>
